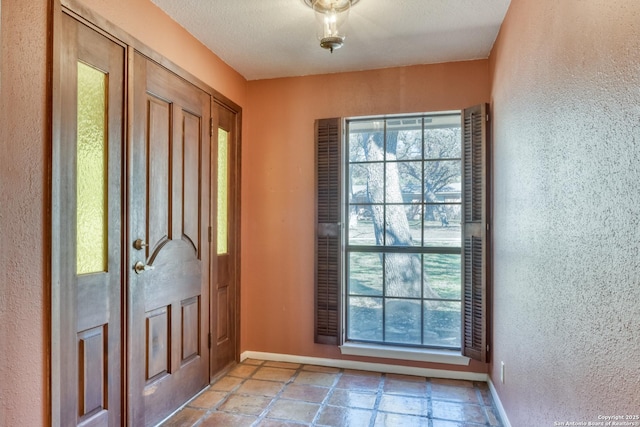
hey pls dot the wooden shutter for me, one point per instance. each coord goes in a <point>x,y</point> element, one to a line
<point>327,280</point>
<point>475,254</point>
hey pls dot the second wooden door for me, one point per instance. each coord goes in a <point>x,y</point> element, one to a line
<point>168,239</point>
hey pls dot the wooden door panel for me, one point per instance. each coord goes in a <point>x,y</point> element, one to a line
<point>223,300</point>
<point>93,367</point>
<point>191,224</point>
<point>158,185</point>
<point>158,343</point>
<point>190,333</point>
<point>169,300</point>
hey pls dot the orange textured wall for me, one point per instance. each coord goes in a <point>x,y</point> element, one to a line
<point>566,154</point>
<point>24,185</point>
<point>278,184</point>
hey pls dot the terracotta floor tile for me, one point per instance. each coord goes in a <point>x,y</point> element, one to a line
<point>340,416</point>
<point>442,423</point>
<point>208,399</point>
<point>280,423</point>
<point>359,382</point>
<point>404,405</point>
<point>273,374</point>
<point>260,388</point>
<point>243,371</point>
<point>325,369</point>
<point>246,405</point>
<point>305,392</point>
<point>454,393</point>
<point>399,420</point>
<point>316,378</point>
<point>222,419</point>
<point>226,383</point>
<point>403,386</point>
<point>487,399</point>
<point>252,362</point>
<point>353,399</point>
<point>413,378</point>
<point>362,373</point>
<point>293,410</point>
<point>285,365</point>
<point>186,417</point>
<point>459,412</point>
<point>456,383</point>
<point>492,417</point>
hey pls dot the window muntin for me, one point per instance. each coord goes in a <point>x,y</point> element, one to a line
<point>403,210</point>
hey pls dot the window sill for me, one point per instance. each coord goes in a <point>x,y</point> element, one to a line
<point>447,357</point>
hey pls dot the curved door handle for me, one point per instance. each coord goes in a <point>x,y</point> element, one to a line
<point>141,267</point>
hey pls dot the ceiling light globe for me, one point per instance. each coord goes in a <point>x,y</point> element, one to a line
<point>331,21</point>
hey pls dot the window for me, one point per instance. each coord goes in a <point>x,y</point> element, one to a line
<point>402,220</point>
<point>403,239</point>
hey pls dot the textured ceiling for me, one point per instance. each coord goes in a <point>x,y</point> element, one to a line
<point>276,38</point>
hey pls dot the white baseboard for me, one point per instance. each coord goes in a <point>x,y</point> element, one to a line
<point>366,366</point>
<point>498,404</point>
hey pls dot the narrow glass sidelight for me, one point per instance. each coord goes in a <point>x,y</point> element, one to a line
<point>223,191</point>
<point>91,184</point>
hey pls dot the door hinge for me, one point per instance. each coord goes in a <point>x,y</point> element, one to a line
<point>209,340</point>
<point>210,232</point>
<point>211,126</point>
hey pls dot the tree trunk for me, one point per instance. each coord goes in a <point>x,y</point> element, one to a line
<point>403,272</point>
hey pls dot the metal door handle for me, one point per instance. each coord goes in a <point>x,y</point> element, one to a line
<point>141,267</point>
<point>139,244</point>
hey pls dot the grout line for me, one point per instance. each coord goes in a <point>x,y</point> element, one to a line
<point>430,401</point>
<point>325,401</point>
<point>278,395</point>
<point>376,404</point>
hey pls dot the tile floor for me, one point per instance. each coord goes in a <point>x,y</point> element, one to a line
<point>269,394</point>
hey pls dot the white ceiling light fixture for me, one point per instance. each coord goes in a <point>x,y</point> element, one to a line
<point>331,21</point>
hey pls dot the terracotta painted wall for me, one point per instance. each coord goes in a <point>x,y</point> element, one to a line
<point>23,315</point>
<point>566,101</point>
<point>278,184</point>
<point>24,308</point>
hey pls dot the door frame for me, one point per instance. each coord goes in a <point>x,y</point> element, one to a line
<point>86,16</point>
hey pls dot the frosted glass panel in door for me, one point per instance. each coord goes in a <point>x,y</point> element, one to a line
<point>91,229</point>
<point>223,191</point>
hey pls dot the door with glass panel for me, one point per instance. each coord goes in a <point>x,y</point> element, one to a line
<point>224,322</point>
<point>168,242</point>
<point>87,229</point>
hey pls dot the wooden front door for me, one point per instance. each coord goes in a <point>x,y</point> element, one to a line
<point>227,240</point>
<point>168,242</point>
<point>87,274</point>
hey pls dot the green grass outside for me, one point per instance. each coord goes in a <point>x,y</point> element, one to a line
<point>403,317</point>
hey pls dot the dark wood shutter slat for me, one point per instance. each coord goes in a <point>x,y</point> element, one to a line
<point>327,277</point>
<point>475,252</point>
